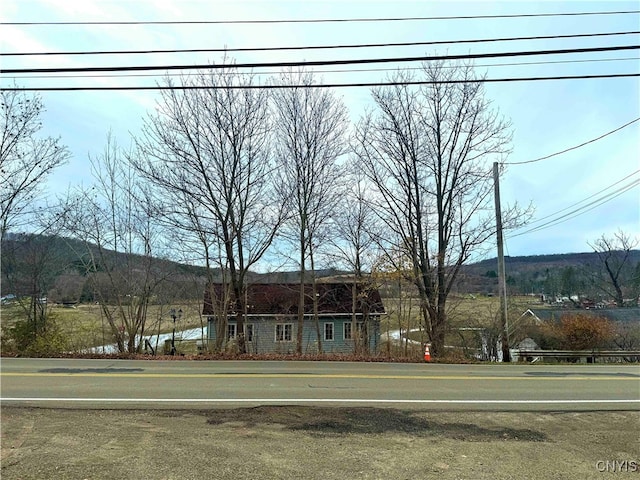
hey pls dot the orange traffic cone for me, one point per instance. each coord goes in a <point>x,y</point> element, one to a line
<point>427,353</point>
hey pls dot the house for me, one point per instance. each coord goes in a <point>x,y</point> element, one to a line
<point>271,322</point>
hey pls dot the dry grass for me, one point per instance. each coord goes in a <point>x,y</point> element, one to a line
<point>86,326</point>
<point>463,311</point>
<point>465,314</point>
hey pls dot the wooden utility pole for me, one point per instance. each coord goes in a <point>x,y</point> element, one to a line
<point>502,281</point>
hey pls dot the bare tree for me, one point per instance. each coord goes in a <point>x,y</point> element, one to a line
<point>30,265</point>
<point>116,223</point>
<point>207,152</point>
<point>616,275</point>
<point>354,244</point>
<point>393,268</point>
<point>311,124</point>
<point>197,239</point>
<point>427,150</point>
<point>25,159</point>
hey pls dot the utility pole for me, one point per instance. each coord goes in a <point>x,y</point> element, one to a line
<point>502,281</point>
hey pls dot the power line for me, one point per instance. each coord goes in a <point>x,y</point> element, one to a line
<point>574,147</point>
<point>319,47</point>
<point>327,20</point>
<point>334,85</point>
<point>582,210</point>
<point>351,70</point>
<point>321,62</point>
<point>538,220</point>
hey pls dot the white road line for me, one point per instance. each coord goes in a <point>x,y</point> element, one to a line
<point>309,400</point>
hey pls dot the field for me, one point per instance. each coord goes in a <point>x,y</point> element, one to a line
<point>469,315</point>
<point>85,325</point>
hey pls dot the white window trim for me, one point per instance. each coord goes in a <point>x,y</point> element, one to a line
<point>333,332</point>
<point>234,327</point>
<point>358,330</point>
<point>284,332</point>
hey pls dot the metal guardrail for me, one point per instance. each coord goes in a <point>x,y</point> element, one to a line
<point>578,353</point>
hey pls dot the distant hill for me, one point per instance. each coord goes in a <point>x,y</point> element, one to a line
<point>528,274</point>
<point>65,253</point>
<point>62,263</point>
<point>326,274</point>
<point>525,274</point>
<point>57,267</point>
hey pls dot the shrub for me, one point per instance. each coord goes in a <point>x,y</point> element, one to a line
<point>577,332</point>
<point>22,339</point>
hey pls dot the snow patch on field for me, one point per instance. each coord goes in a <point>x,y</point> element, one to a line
<point>157,341</point>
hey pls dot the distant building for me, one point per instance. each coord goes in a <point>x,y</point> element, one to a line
<point>271,322</point>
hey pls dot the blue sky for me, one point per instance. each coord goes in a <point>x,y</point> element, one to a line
<point>547,116</point>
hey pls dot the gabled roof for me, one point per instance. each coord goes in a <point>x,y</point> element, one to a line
<point>282,299</point>
<point>628,314</point>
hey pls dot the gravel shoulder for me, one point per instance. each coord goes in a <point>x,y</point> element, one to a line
<point>296,442</point>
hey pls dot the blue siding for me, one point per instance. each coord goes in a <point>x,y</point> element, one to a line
<point>264,335</point>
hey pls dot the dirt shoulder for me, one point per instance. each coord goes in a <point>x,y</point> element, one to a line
<point>294,442</point>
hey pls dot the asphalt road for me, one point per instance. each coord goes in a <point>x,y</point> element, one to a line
<point>194,384</point>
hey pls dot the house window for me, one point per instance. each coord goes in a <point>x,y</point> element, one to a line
<point>284,332</point>
<point>231,331</point>
<point>249,329</point>
<point>328,331</point>
<point>348,332</point>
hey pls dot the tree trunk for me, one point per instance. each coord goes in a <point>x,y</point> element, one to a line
<point>240,312</point>
<point>438,335</point>
<point>299,334</point>
<point>354,289</point>
<point>618,297</point>
<point>314,297</point>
